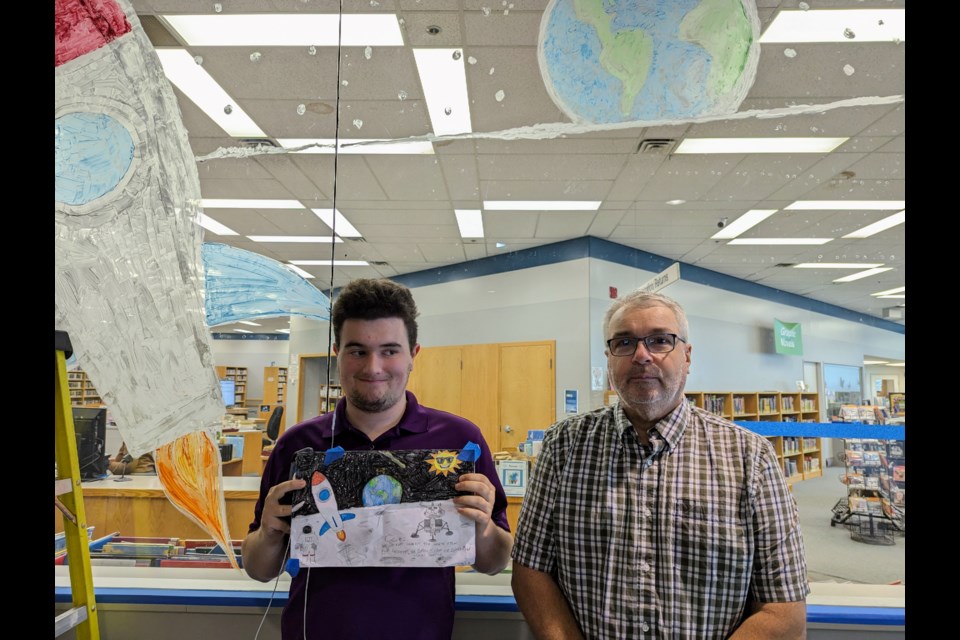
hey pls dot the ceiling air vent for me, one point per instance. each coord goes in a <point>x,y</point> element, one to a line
<point>379,263</point>
<point>656,145</point>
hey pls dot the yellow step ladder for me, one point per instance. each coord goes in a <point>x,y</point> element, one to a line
<point>83,615</point>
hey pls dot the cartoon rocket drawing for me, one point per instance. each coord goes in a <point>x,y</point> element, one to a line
<point>327,506</point>
<point>128,270</point>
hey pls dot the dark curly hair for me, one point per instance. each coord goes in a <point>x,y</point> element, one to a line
<point>372,299</point>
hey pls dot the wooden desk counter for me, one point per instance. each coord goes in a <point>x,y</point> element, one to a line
<point>139,507</point>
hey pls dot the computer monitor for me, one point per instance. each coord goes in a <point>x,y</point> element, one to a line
<point>228,389</point>
<point>90,427</point>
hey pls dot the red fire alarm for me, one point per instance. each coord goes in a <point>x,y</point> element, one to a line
<point>613,292</point>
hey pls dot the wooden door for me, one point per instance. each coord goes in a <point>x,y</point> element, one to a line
<point>436,379</point>
<point>527,390</point>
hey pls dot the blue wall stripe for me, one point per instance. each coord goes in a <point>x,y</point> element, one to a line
<point>823,614</point>
<point>590,247</point>
<point>250,336</point>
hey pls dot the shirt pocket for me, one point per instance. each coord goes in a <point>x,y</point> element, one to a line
<point>712,545</point>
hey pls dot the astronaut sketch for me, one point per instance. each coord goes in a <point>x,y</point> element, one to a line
<point>308,544</point>
<point>433,523</point>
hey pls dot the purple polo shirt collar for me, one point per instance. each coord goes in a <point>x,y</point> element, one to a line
<point>413,420</point>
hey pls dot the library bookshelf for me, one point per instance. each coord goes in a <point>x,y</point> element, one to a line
<point>801,458</point>
<point>239,376</point>
<point>82,392</point>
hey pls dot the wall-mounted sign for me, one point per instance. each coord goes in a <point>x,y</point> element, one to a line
<point>662,280</point>
<point>787,339</point>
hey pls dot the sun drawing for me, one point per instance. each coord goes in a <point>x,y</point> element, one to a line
<point>444,462</point>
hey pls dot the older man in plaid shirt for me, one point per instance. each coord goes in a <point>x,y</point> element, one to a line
<point>653,518</point>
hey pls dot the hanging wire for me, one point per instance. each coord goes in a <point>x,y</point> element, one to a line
<point>333,227</point>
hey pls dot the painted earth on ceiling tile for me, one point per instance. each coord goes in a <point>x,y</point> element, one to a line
<point>608,61</point>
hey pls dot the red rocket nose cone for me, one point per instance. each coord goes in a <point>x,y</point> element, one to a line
<point>317,478</point>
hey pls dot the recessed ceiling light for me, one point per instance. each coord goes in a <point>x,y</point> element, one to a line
<point>868,362</point>
<point>500,245</point>
<point>836,265</point>
<point>744,222</point>
<point>542,205</point>
<point>311,239</point>
<point>338,224</point>
<point>247,322</point>
<point>287,29</point>
<point>863,274</point>
<point>282,330</point>
<point>300,272</point>
<point>845,205</point>
<point>878,226</point>
<point>249,203</point>
<point>242,331</point>
<point>444,81</point>
<point>200,87</point>
<point>836,25</point>
<point>759,145</point>
<point>889,292</point>
<point>676,202</point>
<point>781,241</point>
<point>897,364</point>
<point>210,224</point>
<point>326,263</point>
<point>470,222</point>
<point>897,296</point>
<point>357,146</point>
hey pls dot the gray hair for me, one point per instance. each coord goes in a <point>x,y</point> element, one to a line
<point>640,299</point>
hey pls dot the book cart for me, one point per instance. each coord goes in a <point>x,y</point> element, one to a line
<point>874,510</point>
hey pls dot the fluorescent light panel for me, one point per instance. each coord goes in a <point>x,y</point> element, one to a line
<point>781,241</point>
<point>830,25</point>
<point>889,292</point>
<point>287,30</point>
<point>894,297</point>
<point>836,265</point>
<point>470,222</point>
<point>336,263</point>
<point>198,85</point>
<point>311,239</point>
<point>210,224</point>
<point>875,361</point>
<point>251,324</point>
<point>759,145</point>
<point>343,227</point>
<point>358,146</point>
<point>845,205</point>
<point>863,274</point>
<point>897,364</point>
<point>282,330</point>
<point>300,272</point>
<point>248,203</point>
<point>444,83</point>
<point>542,205</point>
<point>878,226</point>
<point>744,222</point>
<point>242,331</point>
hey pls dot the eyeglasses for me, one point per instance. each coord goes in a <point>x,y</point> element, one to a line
<point>658,343</point>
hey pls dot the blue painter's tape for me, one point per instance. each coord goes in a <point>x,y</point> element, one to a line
<point>293,567</point>
<point>332,455</point>
<point>845,430</point>
<point>470,453</point>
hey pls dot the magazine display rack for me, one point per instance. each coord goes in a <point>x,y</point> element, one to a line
<point>875,507</point>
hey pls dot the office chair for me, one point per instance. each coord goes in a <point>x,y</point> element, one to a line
<point>273,427</point>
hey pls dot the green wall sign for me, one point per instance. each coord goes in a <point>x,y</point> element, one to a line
<point>787,339</point>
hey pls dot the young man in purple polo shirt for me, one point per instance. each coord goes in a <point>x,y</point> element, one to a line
<point>375,334</point>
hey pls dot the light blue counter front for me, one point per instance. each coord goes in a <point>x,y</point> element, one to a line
<point>206,603</point>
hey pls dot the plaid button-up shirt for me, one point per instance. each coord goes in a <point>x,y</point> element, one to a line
<point>664,541</point>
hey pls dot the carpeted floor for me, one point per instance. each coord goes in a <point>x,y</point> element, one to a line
<point>832,556</point>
